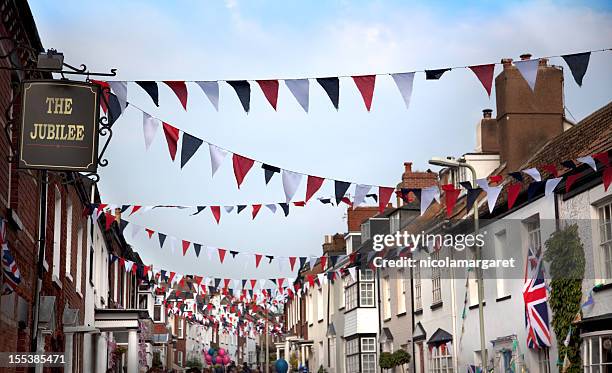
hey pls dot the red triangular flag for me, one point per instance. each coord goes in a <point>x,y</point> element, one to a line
<point>172,136</point>
<point>109,219</point>
<point>180,90</point>
<point>496,178</point>
<point>310,280</point>
<point>149,232</point>
<point>347,201</point>
<point>384,196</point>
<point>484,73</point>
<point>253,282</point>
<point>292,262</point>
<point>607,177</point>
<point>134,209</point>
<point>257,260</point>
<point>242,165</point>
<point>299,203</point>
<point>172,274</point>
<point>323,262</point>
<point>280,282</point>
<point>216,211</point>
<point>270,90</point>
<point>198,279</point>
<point>105,89</point>
<point>185,246</point>
<point>451,194</point>
<point>256,209</point>
<point>365,84</point>
<point>551,169</point>
<point>312,186</point>
<point>602,158</point>
<point>513,191</point>
<point>122,262</point>
<point>221,254</point>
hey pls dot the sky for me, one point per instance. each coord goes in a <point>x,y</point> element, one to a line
<point>260,39</point>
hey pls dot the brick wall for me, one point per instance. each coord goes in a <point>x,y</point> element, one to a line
<point>358,215</point>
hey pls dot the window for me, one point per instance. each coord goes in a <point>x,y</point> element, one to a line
<point>352,355</point>
<point>401,293</point>
<point>500,253</point>
<point>181,328</point>
<point>320,314</point>
<point>68,237</point>
<point>368,355</point>
<point>310,308</point>
<point>179,360</point>
<point>142,301</point>
<point>544,360</point>
<point>57,234</point>
<point>157,313</point>
<point>350,295</point>
<point>440,359</point>
<point>342,299</point>
<point>394,222</point>
<point>386,298</point>
<point>597,352</point>
<point>79,262</point>
<point>534,239</point>
<point>473,287</point>
<point>368,344</point>
<point>436,289</point>
<point>366,288</point>
<point>332,353</point>
<point>605,238</point>
<point>365,231</point>
<point>418,300</point>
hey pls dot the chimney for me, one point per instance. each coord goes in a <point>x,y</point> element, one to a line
<point>334,244</point>
<point>527,119</point>
<point>358,215</point>
<point>486,133</point>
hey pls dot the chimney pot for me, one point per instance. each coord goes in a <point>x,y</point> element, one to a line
<point>487,113</point>
<point>506,62</point>
<point>408,166</point>
<point>543,62</point>
<point>525,56</point>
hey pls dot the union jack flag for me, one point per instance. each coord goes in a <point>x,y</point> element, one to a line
<point>536,305</point>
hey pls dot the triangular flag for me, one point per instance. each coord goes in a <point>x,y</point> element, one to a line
<point>105,93</point>
<point>404,82</point>
<point>292,262</point>
<point>299,88</point>
<point>151,88</point>
<point>120,90</point>
<point>313,183</point>
<point>607,177</point>
<point>272,207</point>
<point>239,208</point>
<point>211,89</point>
<point>229,209</point>
<point>149,232</point>
<point>162,239</point>
<point>221,254</point>
<point>149,128</point>
<point>190,145</point>
<point>197,247</point>
<point>435,74</point>
<point>451,194</point>
<point>243,90</point>
<point>115,109</point>
<point>551,184</point>
<point>578,64</point>
<point>256,209</point>
<point>340,188</point>
<point>588,160</point>
<point>529,71</point>
<point>534,173</point>
<point>360,193</point>
<point>384,196</point>
<point>484,73</point>
<point>269,171</point>
<point>472,195</point>
<point>216,157</point>
<point>513,191</point>
<point>180,90</point>
<point>257,261</point>
<point>365,84</point>
<point>216,211</point>
<point>172,136</point>
<point>270,90</point>
<point>427,196</point>
<point>242,165</point>
<point>332,88</point>
<point>291,181</point>
<point>492,192</point>
<point>186,245</point>
<point>285,207</point>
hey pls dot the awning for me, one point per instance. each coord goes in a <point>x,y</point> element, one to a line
<point>386,336</point>
<point>419,333</point>
<point>439,337</point>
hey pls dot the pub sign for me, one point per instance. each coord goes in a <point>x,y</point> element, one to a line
<point>59,125</point>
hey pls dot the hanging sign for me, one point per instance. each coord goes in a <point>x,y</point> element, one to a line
<point>59,125</point>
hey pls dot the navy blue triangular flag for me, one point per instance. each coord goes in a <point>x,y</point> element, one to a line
<point>332,88</point>
<point>217,282</point>
<point>114,109</point>
<point>325,200</point>
<point>333,259</point>
<point>472,194</point>
<point>123,224</point>
<point>578,64</point>
<point>189,147</point>
<point>151,88</point>
<point>244,283</point>
<point>162,239</point>
<point>270,258</point>
<point>374,196</point>
<point>234,253</point>
<point>243,90</point>
<point>434,74</point>
<point>239,208</point>
<point>340,187</point>
<point>200,209</point>
<point>533,188</point>
<point>302,261</point>
<point>269,171</point>
<point>197,247</point>
<point>285,207</point>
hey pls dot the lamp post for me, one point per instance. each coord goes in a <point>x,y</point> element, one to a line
<point>452,163</point>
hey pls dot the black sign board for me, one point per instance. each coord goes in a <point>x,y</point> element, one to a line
<point>59,125</point>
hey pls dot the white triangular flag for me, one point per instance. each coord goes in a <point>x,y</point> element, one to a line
<point>211,89</point>
<point>322,278</point>
<point>216,157</point>
<point>534,173</point>
<point>529,71</point>
<point>229,209</point>
<point>588,160</point>
<point>291,181</point>
<point>210,251</point>
<point>120,90</point>
<point>299,88</point>
<point>427,196</point>
<point>149,127</point>
<point>404,84</point>
<point>353,273</point>
<point>551,184</point>
<point>135,230</point>
<point>272,207</point>
<point>128,265</point>
<point>360,194</point>
<point>313,261</point>
<point>492,192</point>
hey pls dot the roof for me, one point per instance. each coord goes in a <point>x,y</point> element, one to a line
<point>440,336</point>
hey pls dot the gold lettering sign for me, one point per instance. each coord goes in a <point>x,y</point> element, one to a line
<point>59,125</point>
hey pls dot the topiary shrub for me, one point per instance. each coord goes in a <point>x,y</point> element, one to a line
<point>400,358</point>
<point>386,360</point>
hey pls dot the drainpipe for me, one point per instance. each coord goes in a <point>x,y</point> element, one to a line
<point>379,314</point>
<point>42,238</point>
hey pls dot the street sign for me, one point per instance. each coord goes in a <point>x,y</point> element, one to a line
<point>59,125</point>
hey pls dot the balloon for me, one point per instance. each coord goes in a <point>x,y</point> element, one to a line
<point>281,366</point>
<point>226,359</point>
<point>221,352</point>
<point>217,360</point>
<point>208,358</point>
<point>211,351</point>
